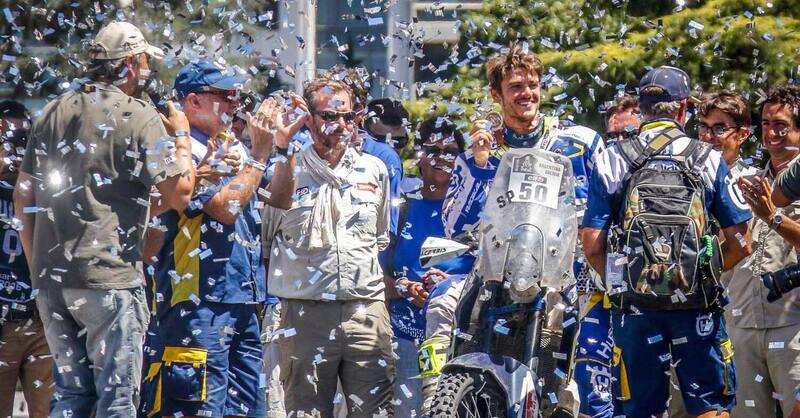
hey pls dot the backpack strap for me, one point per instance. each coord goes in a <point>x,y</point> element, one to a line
<point>655,146</point>
<point>697,158</point>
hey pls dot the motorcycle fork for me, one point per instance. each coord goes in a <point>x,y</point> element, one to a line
<point>533,331</point>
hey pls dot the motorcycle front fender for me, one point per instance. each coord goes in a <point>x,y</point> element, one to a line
<point>516,379</point>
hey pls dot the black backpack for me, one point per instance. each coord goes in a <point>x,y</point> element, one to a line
<point>662,240</point>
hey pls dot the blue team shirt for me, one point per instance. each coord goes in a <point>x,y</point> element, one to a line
<point>15,281</point>
<point>722,197</point>
<point>422,220</point>
<point>469,186</point>
<point>206,260</point>
<point>394,166</point>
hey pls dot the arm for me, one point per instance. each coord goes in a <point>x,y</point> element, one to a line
<point>759,197</point>
<point>177,190</point>
<point>24,197</point>
<point>286,125</point>
<point>153,241</point>
<point>383,222</point>
<point>594,248</point>
<point>788,186</point>
<point>736,245</point>
<point>466,195</point>
<point>268,124</point>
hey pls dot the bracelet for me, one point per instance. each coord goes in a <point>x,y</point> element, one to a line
<point>181,133</point>
<point>281,151</point>
<point>397,285</point>
<point>256,164</point>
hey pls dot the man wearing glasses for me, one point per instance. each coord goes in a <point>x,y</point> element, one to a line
<point>725,123</point>
<point>323,265</point>
<point>209,272</point>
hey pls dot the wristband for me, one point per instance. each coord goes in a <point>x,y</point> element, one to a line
<point>281,151</point>
<point>256,164</point>
<point>181,133</point>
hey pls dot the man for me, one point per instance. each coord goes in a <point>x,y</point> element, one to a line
<point>323,265</point>
<point>593,347</point>
<point>209,274</point>
<point>725,124</point>
<point>622,119</point>
<point>358,81</point>
<point>386,121</point>
<point>514,85</point>
<point>407,282</point>
<point>23,347</point>
<point>83,195</point>
<point>766,335</point>
<point>684,327</point>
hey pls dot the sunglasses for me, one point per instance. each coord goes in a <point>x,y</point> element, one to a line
<point>333,116</point>
<point>231,96</point>
<point>716,130</point>
<point>620,135</point>
<point>431,150</point>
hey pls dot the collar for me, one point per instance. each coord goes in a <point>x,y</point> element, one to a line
<point>660,123</point>
<point>515,140</point>
<point>93,86</point>
<point>199,135</point>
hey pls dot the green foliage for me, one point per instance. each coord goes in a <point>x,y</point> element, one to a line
<point>601,48</point>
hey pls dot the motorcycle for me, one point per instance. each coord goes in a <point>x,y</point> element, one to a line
<point>502,357</point>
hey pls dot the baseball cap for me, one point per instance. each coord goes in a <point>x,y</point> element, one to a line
<point>120,40</point>
<point>674,82</point>
<point>203,75</point>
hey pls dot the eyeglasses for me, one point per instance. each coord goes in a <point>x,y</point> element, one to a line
<point>619,135</point>
<point>432,150</point>
<point>716,130</point>
<point>333,116</point>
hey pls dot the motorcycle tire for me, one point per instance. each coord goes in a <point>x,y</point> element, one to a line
<point>468,394</point>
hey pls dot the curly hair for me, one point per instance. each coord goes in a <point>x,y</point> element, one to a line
<point>787,94</point>
<point>726,102</point>
<point>501,65</point>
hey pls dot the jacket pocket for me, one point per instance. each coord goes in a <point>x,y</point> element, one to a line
<point>184,373</point>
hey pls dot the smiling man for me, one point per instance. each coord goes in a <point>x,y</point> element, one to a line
<point>514,84</point>
<point>755,325</point>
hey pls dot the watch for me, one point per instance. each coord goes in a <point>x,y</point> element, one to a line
<point>775,221</point>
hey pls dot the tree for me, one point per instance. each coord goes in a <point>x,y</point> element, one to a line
<point>593,50</point>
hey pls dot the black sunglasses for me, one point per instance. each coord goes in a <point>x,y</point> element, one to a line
<point>333,116</point>
<point>434,150</point>
<point>619,135</point>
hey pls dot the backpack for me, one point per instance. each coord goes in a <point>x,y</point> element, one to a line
<point>661,245</point>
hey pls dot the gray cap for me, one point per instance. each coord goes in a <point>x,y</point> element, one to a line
<point>120,40</point>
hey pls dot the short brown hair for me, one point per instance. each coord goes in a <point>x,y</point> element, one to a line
<point>501,65</point>
<point>318,83</point>
<point>357,78</point>
<point>726,102</point>
<point>621,104</point>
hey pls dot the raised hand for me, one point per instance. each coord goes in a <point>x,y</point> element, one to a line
<point>481,142</point>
